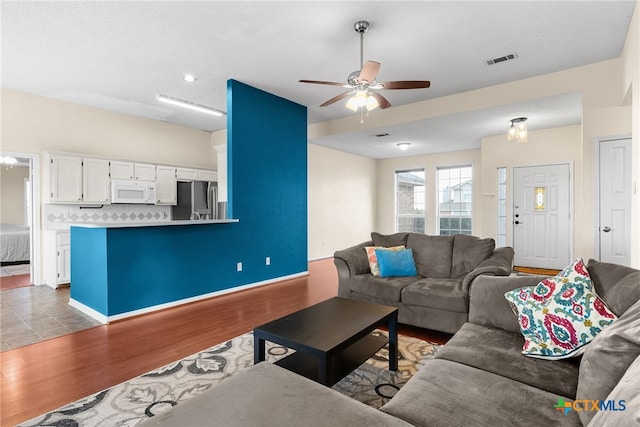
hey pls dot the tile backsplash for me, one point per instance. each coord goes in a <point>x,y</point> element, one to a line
<point>59,217</point>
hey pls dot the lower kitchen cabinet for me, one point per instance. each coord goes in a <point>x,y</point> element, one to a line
<point>57,259</point>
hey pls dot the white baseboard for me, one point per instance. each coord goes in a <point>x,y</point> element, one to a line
<point>107,319</point>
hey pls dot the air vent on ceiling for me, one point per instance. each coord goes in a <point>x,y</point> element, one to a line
<point>382,135</point>
<point>500,59</point>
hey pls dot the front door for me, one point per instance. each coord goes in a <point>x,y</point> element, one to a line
<point>541,216</point>
<point>614,230</point>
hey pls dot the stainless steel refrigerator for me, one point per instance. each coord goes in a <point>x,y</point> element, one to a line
<point>196,200</point>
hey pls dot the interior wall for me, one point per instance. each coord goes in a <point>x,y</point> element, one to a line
<point>548,146</point>
<point>386,187</point>
<point>12,191</point>
<point>33,124</point>
<point>342,200</point>
<point>631,92</point>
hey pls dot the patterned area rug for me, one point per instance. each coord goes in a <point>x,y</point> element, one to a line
<point>147,395</point>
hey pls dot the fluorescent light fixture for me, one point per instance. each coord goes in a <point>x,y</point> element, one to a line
<point>190,105</point>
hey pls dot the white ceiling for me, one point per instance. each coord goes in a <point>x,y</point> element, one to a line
<point>119,55</point>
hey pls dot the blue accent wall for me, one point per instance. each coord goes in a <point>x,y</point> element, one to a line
<point>119,270</point>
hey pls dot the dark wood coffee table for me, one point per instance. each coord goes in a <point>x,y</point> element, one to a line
<point>331,338</point>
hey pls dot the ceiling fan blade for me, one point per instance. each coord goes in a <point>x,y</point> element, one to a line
<point>320,82</point>
<point>405,84</point>
<point>382,101</point>
<point>369,72</point>
<point>336,99</point>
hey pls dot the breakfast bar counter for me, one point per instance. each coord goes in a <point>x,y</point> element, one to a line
<point>127,269</point>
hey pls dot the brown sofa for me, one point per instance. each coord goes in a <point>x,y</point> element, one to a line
<point>438,297</point>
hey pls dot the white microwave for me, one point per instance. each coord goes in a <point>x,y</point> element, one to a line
<point>137,192</point>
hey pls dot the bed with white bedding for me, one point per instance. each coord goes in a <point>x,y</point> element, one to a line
<point>14,243</point>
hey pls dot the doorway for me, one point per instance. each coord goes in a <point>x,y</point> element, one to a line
<point>542,227</point>
<point>20,209</point>
<point>613,234</point>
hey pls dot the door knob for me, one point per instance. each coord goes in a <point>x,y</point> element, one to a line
<point>517,222</point>
<point>606,229</point>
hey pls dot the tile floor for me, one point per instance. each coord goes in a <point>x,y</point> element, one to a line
<point>36,313</point>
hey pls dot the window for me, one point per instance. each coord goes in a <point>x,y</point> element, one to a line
<point>455,199</point>
<point>502,208</point>
<point>410,197</point>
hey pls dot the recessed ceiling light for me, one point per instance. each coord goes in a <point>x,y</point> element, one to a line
<point>189,78</point>
<point>403,145</point>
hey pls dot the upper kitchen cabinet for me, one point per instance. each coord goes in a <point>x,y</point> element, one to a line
<point>78,180</point>
<point>96,186</point>
<point>65,179</point>
<point>166,189</point>
<point>136,171</point>
<point>186,174</point>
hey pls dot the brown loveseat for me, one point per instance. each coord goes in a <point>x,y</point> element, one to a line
<point>438,297</point>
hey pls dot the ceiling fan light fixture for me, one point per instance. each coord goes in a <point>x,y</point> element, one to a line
<point>351,104</point>
<point>372,103</point>
<point>518,130</point>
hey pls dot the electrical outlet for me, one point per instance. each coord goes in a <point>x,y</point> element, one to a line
<point>239,266</point>
<point>267,260</point>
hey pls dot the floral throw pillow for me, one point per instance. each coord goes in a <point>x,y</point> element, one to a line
<point>373,259</point>
<point>559,316</point>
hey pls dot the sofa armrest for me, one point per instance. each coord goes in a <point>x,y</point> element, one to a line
<point>350,262</point>
<point>498,264</point>
<point>489,307</point>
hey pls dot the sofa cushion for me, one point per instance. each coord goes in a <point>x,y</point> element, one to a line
<point>433,254</point>
<point>445,294</point>
<point>396,263</point>
<point>268,395</point>
<point>445,393</point>
<point>607,358</point>
<point>626,390</point>
<point>559,316</point>
<point>388,240</point>
<point>373,258</point>
<point>617,285</point>
<point>498,351</point>
<point>386,289</point>
<point>468,253</point>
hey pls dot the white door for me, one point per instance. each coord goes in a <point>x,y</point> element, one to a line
<point>541,216</point>
<point>615,201</point>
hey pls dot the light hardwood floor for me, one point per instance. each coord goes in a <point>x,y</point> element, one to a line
<point>41,377</point>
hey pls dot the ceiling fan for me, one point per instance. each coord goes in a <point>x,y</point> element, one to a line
<point>362,83</point>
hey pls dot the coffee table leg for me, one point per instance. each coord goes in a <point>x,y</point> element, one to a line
<point>393,343</point>
<point>258,349</point>
<point>322,370</point>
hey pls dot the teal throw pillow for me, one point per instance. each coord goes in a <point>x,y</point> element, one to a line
<point>396,263</point>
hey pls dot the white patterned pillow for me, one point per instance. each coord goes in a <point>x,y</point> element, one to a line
<point>373,259</point>
<point>559,316</point>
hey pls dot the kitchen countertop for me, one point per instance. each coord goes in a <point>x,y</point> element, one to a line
<point>153,224</point>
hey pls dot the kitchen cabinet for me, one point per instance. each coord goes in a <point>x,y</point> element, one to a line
<point>184,174</point>
<point>96,185</point>
<point>187,174</point>
<point>78,180</point>
<point>57,247</point>
<point>166,189</point>
<point>65,179</point>
<point>136,171</point>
